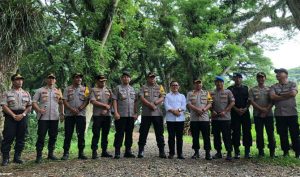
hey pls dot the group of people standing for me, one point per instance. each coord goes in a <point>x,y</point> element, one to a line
<point>229,116</point>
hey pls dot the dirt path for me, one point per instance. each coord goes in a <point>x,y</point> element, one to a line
<point>151,165</point>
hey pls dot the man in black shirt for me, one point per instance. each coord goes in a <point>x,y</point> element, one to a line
<point>240,116</point>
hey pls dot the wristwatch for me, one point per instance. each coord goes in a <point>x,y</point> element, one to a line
<point>24,114</point>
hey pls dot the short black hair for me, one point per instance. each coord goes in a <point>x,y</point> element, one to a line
<point>173,82</point>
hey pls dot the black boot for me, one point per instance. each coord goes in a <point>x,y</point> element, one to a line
<point>237,153</point>
<point>65,156</point>
<point>207,155</point>
<point>247,153</point>
<point>105,153</point>
<point>141,152</point>
<point>261,153</point>
<point>51,156</point>
<point>286,153</point>
<point>229,156</point>
<point>17,158</point>
<point>196,154</point>
<point>272,153</point>
<point>81,155</point>
<point>5,160</point>
<point>128,153</point>
<point>162,153</point>
<point>218,155</point>
<point>94,154</point>
<point>117,153</point>
<point>38,157</point>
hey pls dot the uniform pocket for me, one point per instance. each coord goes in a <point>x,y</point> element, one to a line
<point>11,101</point>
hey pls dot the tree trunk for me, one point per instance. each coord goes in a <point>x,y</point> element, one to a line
<point>294,6</point>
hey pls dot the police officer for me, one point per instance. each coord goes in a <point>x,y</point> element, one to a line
<point>152,95</point>
<point>101,98</point>
<point>240,116</point>
<point>75,99</point>
<point>223,101</point>
<point>283,95</point>
<point>16,103</point>
<point>199,102</point>
<point>47,102</point>
<point>262,112</point>
<point>125,107</point>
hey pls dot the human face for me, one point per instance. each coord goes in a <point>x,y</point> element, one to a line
<point>125,80</point>
<point>219,84</point>
<point>237,80</point>
<point>77,80</point>
<point>18,83</point>
<point>174,87</point>
<point>50,81</point>
<point>151,80</point>
<point>281,76</point>
<point>261,80</point>
<point>101,84</point>
<point>198,85</point>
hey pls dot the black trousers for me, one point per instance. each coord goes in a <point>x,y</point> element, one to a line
<point>100,123</point>
<point>44,126</point>
<point>70,123</point>
<point>175,129</point>
<point>124,126</point>
<point>218,127</point>
<point>285,124</point>
<point>158,124</point>
<point>268,123</point>
<point>204,127</point>
<point>13,130</point>
<point>238,124</point>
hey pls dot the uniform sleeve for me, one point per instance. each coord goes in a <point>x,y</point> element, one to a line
<point>115,94</point>
<point>251,97</point>
<point>272,90</point>
<point>294,87</point>
<point>4,99</point>
<point>92,95</point>
<point>65,94</point>
<point>141,93</point>
<point>30,100</point>
<point>188,98</point>
<point>230,97</point>
<point>183,102</point>
<point>209,98</point>
<point>36,96</point>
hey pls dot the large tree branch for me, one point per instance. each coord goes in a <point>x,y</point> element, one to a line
<point>294,6</point>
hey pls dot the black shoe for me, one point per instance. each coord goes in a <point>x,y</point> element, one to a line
<point>51,156</point>
<point>261,153</point>
<point>162,153</point>
<point>94,154</point>
<point>105,154</point>
<point>272,154</point>
<point>140,154</point>
<point>196,155</point>
<point>117,156</point>
<point>237,154</point>
<point>65,156</point>
<point>18,160</point>
<point>129,154</point>
<point>207,155</point>
<point>170,156</point>
<point>247,153</point>
<point>5,161</point>
<point>38,159</point>
<point>218,155</point>
<point>286,153</point>
<point>82,156</point>
<point>229,157</point>
<point>180,156</point>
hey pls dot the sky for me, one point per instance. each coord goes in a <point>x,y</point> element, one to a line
<point>287,54</point>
